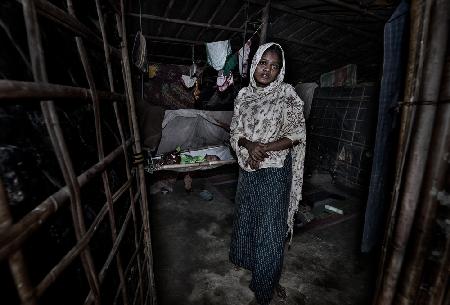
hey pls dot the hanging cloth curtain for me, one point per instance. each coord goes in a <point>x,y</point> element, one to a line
<point>217,53</point>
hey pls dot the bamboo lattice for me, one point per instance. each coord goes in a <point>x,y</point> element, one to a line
<point>14,234</point>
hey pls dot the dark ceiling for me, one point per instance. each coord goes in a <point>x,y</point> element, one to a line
<point>317,35</point>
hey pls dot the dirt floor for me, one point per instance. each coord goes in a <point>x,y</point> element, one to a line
<point>191,236</point>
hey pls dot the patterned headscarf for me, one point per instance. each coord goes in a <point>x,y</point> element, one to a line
<point>267,114</point>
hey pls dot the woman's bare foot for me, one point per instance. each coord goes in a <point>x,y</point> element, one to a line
<point>280,291</point>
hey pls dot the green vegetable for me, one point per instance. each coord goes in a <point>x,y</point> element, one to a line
<point>188,159</point>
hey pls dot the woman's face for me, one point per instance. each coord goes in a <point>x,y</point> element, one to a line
<point>267,69</point>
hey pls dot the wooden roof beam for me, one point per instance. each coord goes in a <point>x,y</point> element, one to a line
<point>188,22</point>
<point>166,14</point>
<point>257,12</point>
<point>287,28</point>
<point>318,18</point>
<point>354,8</point>
<point>231,21</point>
<point>222,2</point>
<point>175,58</point>
<point>231,29</point>
<point>176,40</point>
<point>265,23</point>
<point>194,10</point>
<point>38,91</point>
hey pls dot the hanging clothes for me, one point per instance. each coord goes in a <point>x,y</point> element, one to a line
<point>243,54</point>
<point>217,53</point>
<point>224,80</point>
<point>230,64</point>
<point>188,81</point>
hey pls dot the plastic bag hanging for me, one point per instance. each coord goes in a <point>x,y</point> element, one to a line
<point>139,53</point>
<point>189,80</point>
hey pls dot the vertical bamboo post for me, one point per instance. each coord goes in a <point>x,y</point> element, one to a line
<point>137,150</point>
<point>265,23</point>
<point>58,142</point>
<point>435,171</point>
<point>413,76</point>
<point>100,150</point>
<point>122,137</point>
<point>16,260</point>
<point>420,144</point>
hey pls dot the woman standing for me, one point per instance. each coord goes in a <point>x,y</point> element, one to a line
<point>268,135</point>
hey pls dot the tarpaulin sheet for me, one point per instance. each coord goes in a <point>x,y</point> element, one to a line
<point>191,129</point>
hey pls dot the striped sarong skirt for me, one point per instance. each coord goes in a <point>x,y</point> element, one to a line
<point>260,226</point>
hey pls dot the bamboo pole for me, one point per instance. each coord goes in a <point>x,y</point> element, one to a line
<point>57,139</point>
<point>63,19</point>
<point>229,23</point>
<point>137,150</point>
<point>221,27</point>
<point>211,19</point>
<point>191,14</point>
<point>121,133</point>
<point>413,77</point>
<point>70,256</point>
<point>100,150</point>
<point>440,280</point>
<point>422,230</point>
<point>16,260</point>
<point>111,255</point>
<point>12,238</point>
<point>354,8</point>
<point>187,22</point>
<point>166,13</point>
<point>247,20</point>
<point>265,23</point>
<point>115,249</point>
<point>11,90</point>
<point>326,20</point>
<point>136,257</point>
<point>415,167</point>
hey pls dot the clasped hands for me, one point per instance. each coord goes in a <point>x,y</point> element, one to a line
<point>257,153</point>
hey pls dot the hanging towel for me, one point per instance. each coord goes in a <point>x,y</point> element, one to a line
<point>243,58</point>
<point>217,53</point>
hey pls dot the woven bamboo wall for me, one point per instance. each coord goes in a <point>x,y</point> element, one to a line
<point>341,130</point>
<point>109,257</point>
